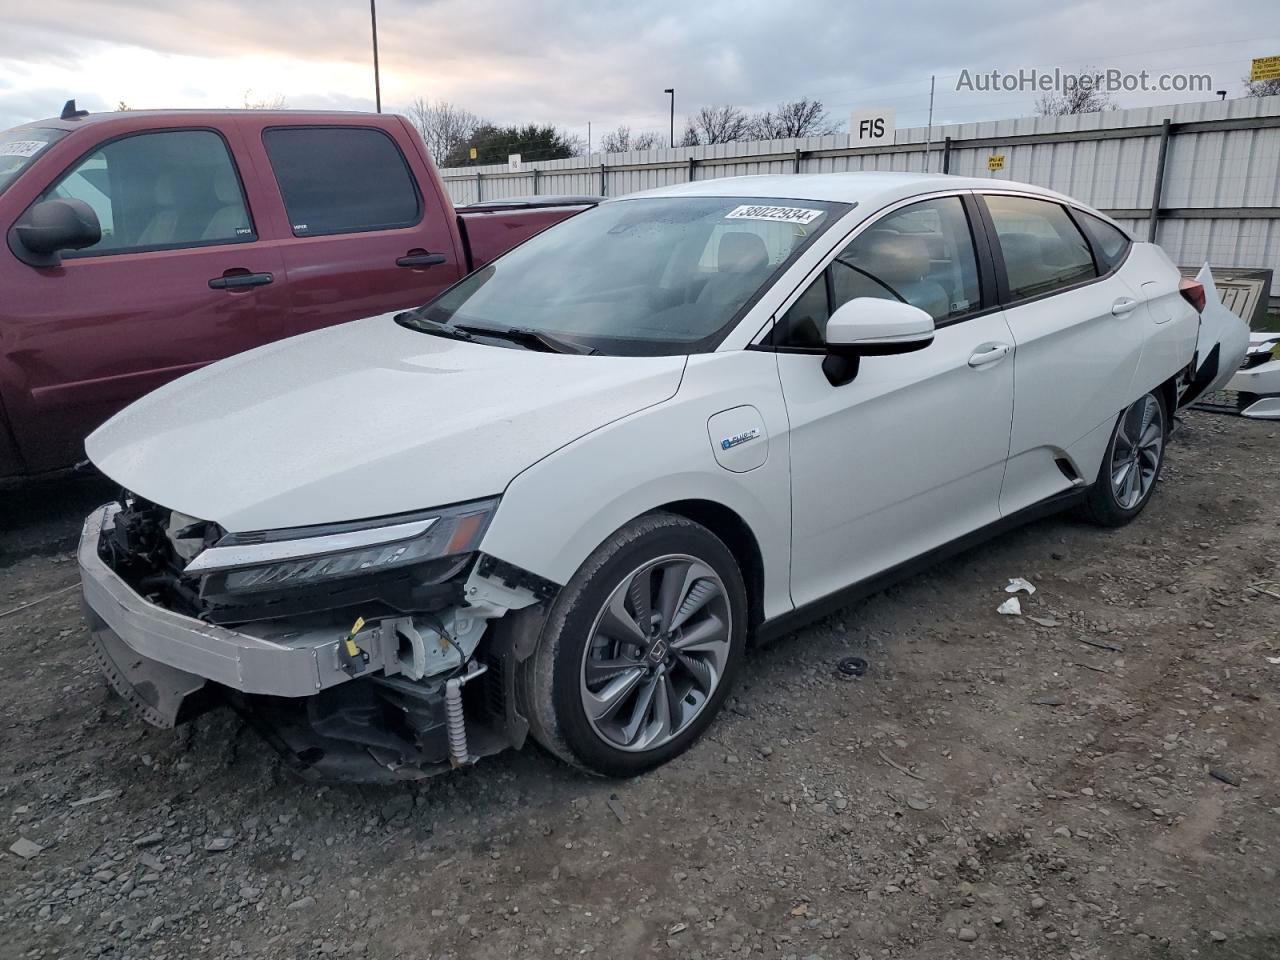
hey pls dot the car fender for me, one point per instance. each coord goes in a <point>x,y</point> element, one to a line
<point>554,514</point>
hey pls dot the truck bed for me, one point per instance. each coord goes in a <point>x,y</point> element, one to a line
<point>491,229</point>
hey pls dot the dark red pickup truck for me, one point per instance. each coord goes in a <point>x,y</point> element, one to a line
<point>142,245</point>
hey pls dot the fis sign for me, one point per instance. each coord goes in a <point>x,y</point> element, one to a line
<point>872,127</point>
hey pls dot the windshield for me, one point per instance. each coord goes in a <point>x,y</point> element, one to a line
<point>660,275</point>
<point>18,147</point>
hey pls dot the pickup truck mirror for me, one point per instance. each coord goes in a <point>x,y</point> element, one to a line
<point>872,327</point>
<point>51,226</point>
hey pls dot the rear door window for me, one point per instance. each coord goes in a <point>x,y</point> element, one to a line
<point>159,191</point>
<point>342,180</point>
<point>1043,250</point>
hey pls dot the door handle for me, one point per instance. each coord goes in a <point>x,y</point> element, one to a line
<point>1123,307</point>
<point>421,259</point>
<point>989,353</point>
<point>238,281</point>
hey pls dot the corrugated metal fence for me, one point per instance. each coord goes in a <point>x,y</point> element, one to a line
<point>1217,164</point>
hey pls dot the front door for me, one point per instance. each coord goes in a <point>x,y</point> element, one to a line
<point>910,454</point>
<point>177,280</point>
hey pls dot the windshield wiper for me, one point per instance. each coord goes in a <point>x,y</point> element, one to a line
<point>528,337</point>
<point>413,320</point>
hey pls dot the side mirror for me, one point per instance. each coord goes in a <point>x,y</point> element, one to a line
<point>52,226</point>
<point>871,327</point>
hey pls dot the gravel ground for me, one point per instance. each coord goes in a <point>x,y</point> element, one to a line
<point>1100,781</point>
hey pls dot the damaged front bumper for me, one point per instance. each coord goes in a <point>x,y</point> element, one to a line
<point>403,706</point>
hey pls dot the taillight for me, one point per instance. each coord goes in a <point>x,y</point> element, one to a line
<point>1193,293</point>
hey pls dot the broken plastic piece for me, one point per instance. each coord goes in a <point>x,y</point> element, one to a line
<point>1017,583</point>
<point>1010,607</point>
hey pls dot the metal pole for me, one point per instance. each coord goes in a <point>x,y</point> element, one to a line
<point>1158,190</point>
<point>535,181</point>
<point>588,138</point>
<point>602,184</point>
<point>928,136</point>
<point>377,80</point>
<point>671,136</point>
<point>479,191</point>
<point>946,155</point>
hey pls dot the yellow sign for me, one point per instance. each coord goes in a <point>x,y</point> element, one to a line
<point>995,162</point>
<point>473,153</point>
<point>1264,68</point>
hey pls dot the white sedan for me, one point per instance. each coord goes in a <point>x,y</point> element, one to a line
<point>561,498</point>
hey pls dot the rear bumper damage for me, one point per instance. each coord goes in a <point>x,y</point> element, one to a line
<point>409,696</point>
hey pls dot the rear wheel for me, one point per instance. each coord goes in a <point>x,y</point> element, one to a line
<point>640,649</point>
<point>1131,466</point>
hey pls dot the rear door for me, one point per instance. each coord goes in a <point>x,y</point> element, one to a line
<point>1079,330</point>
<point>178,279</point>
<point>367,231</point>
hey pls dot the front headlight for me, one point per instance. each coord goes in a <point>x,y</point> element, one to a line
<point>308,556</point>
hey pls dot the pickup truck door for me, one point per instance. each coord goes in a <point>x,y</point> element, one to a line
<point>367,228</point>
<point>179,279</point>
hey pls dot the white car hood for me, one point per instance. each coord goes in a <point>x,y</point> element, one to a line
<point>363,420</point>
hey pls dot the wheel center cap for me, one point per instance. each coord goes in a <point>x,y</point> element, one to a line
<point>658,652</point>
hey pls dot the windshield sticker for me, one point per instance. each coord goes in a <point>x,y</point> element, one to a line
<point>784,214</point>
<point>21,148</point>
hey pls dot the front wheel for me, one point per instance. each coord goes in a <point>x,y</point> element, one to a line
<point>1131,465</point>
<point>640,649</point>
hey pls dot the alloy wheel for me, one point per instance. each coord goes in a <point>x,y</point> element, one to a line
<point>1135,452</point>
<point>657,651</point>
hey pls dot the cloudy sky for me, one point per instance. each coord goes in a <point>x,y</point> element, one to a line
<point>572,61</point>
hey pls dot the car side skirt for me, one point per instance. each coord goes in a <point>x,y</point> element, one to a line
<point>799,617</point>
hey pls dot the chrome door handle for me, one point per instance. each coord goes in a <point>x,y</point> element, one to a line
<point>989,353</point>
<point>1123,307</point>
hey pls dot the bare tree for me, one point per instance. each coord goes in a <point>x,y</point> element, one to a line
<point>1083,96</point>
<point>1262,88</point>
<point>442,124</point>
<point>123,107</point>
<point>691,137</point>
<point>796,118</point>
<point>722,124</point>
<point>275,103</point>
<point>623,140</point>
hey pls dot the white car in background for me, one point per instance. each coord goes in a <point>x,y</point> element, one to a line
<point>560,498</point>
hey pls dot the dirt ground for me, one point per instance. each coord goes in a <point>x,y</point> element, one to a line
<point>1103,781</point>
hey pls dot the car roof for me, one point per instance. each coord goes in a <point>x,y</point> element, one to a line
<point>138,117</point>
<point>871,188</point>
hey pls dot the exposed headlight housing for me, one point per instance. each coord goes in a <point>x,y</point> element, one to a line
<point>301,557</point>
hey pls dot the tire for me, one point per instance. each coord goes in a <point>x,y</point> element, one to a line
<point>589,654</point>
<point>1112,502</point>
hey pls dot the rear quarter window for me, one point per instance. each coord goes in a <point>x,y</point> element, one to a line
<point>342,179</point>
<point>1109,242</point>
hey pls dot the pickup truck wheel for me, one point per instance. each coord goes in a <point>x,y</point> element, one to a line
<point>640,649</point>
<point>1131,465</point>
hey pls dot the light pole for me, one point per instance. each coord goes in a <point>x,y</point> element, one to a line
<point>672,133</point>
<point>377,81</point>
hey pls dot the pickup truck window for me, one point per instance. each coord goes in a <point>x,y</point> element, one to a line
<point>650,276</point>
<point>159,191</point>
<point>341,179</point>
<point>18,147</point>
